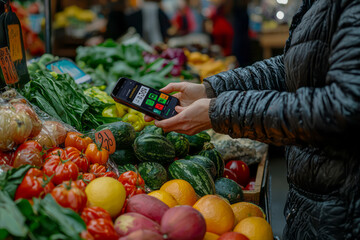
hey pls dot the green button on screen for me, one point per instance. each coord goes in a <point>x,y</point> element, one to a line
<point>161,100</point>
<point>150,102</point>
<point>153,96</point>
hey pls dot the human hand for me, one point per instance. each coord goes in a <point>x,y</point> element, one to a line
<point>187,93</point>
<point>189,120</point>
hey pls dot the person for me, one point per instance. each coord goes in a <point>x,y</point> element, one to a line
<point>116,24</point>
<point>184,19</point>
<point>308,100</point>
<point>220,29</point>
<point>240,23</point>
<point>152,29</point>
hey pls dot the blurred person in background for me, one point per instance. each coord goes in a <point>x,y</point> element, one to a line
<point>240,23</point>
<point>116,25</point>
<point>150,22</point>
<point>184,19</point>
<point>219,27</point>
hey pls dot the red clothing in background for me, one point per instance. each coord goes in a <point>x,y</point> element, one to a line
<point>222,32</point>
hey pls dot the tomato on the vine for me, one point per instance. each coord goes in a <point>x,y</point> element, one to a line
<point>30,152</point>
<point>87,176</point>
<point>97,154</point>
<point>54,151</point>
<point>86,235</point>
<point>102,228</point>
<point>110,174</point>
<point>34,184</point>
<point>69,195</point>
<point>133,183</point>
<point>97,169</point>
<point>77,140</point>
<point>60,170</point>
<point>90,213</point>
<point>78,158</point>
<point>7,158</point>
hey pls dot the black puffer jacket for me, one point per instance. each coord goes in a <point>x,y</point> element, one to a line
<point>308,99</point>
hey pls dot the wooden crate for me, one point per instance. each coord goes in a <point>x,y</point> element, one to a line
<point>254,195</point>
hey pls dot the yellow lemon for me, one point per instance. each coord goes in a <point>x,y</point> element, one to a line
<point>106,192</point>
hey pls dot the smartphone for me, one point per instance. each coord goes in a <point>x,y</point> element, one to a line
<point>144,99</point>
<point>65,65</point>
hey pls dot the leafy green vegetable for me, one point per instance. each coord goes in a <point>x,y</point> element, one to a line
<point>10,180</point>
<point>63,99</point>
<point>44,220</point>
<point>124,60</point>
<point>11,220</point>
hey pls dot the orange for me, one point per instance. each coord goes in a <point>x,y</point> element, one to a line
<point>218,214</point>
<point>181,190</point>
<point>210,236</point>
<point>164,197</point>
<point>243,210</point>
<point>255,228</point>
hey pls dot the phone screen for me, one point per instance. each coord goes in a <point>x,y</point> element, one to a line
<point>145,99</point>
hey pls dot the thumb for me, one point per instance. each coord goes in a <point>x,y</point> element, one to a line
<point>179,109</point>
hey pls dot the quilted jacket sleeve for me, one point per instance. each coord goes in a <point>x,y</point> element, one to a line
<point>323,116</point>
<point>267,74</point>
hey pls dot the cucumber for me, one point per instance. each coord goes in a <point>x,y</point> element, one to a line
<point>193,173</point>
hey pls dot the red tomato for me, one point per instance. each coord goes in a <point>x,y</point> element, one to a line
<point>96,154</point>
<point>241,171</point>
<point>229,174</point>
<point>7,158</point>
<point>60,170</point>
<point>88,177</point>
<point>97,169</point>
<point>102,228</point>
<point>84,179</point>
<point>69,195</point>
<point>250,186</point>
<point>133,183</point>
<point>78,158</point>
<point>86,235</point>
<point>55,151</point>
<point>233,236</point>
<point>91,213</point>
<point>28,153</point>
<point>110,174</point>
<point>32,185</point>
<point>77,140</point>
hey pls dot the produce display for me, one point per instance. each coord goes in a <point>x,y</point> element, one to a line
<point>76,165</point>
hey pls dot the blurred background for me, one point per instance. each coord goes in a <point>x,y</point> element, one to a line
<point>248,30</point>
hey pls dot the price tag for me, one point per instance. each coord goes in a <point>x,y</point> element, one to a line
<point>8,67</point>
<point>106,140</point>
<point>15,42</point>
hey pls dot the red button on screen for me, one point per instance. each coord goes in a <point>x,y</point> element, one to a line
<point>159,106</point>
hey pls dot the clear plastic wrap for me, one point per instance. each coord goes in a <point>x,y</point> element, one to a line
<point>21,121</point>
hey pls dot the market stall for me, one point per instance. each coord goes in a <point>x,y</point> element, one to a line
<point>75,164</point>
